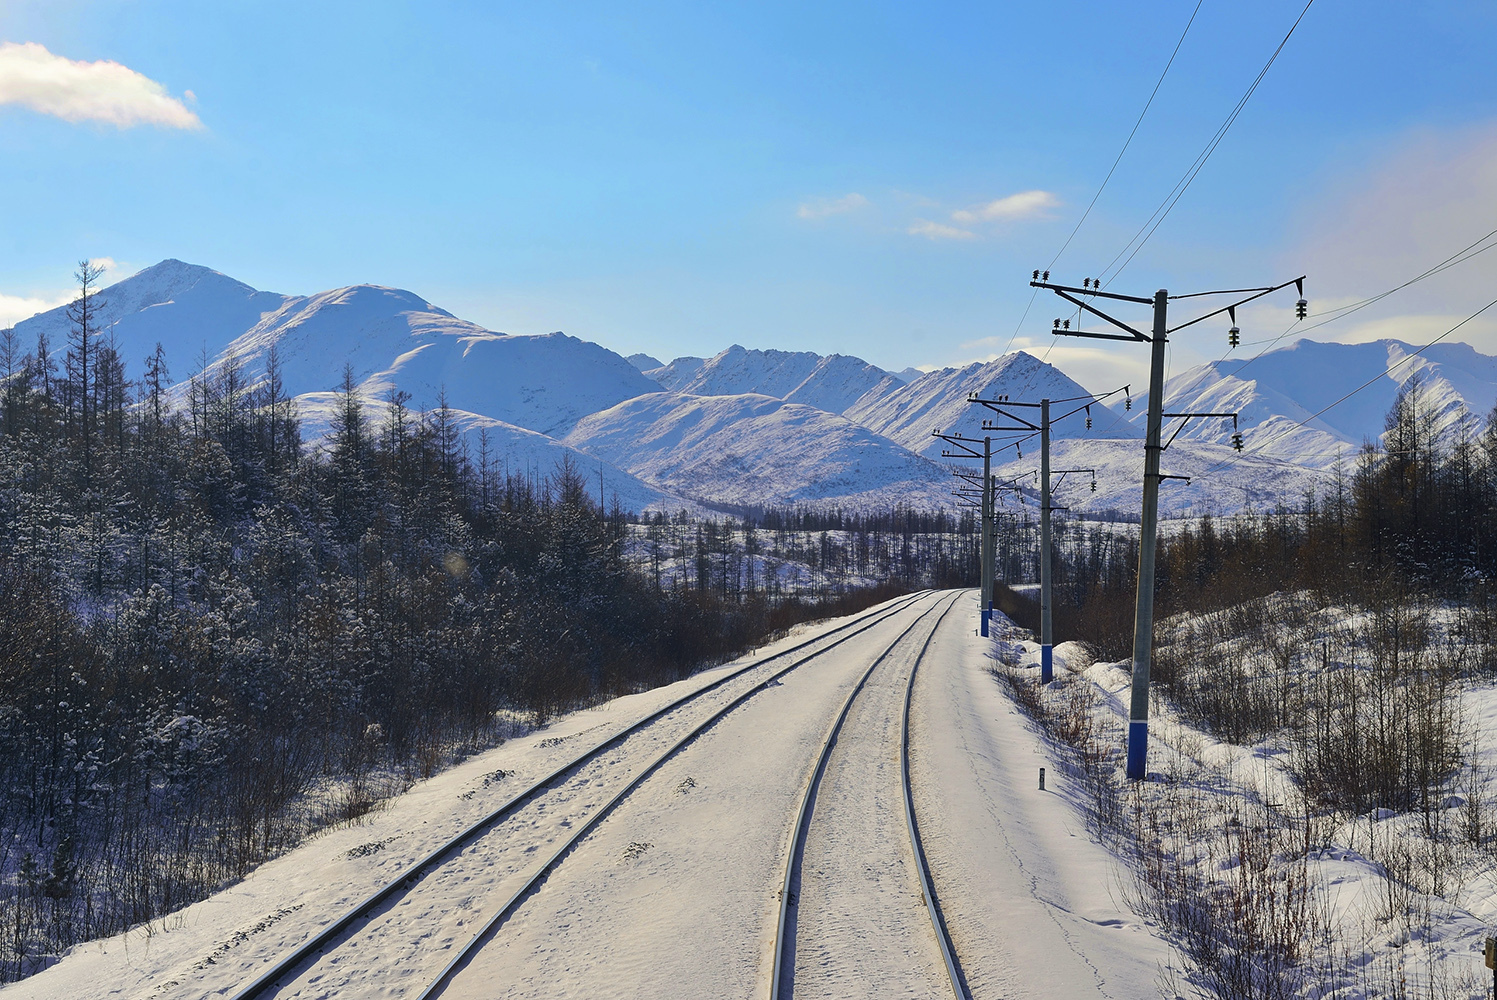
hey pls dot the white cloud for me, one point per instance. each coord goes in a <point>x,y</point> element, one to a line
<point>1024,205</point>
<point>937,231</point>
<point>14,308</point>
<point>820,208</point>
<point>102,91</point>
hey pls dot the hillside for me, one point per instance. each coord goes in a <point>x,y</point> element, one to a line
<point>753,449</point>
<point>1280,396</point>
<point>938,401</point>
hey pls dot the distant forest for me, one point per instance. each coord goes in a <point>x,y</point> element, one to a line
<point>214,639</point>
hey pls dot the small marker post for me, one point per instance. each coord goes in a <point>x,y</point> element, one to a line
<point>1042,779</point>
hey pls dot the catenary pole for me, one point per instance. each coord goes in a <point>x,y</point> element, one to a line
<point>1047,636</point>
<point>987,533</point>
<point>1143,620</point>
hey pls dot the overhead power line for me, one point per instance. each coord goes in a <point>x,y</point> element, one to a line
<point>1111,170</point>
<point>1372,381</point>
<point>1341,312</point>
<point>1129,140</point>
<point>1147,229</point>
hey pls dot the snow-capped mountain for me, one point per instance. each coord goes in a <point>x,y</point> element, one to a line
<point>392,339</point>
<point>831,383</point>
<point>677,374</point>
<point>752,449</point>
<point>1311,402</point>
<point>750,427</point>
<point>938,401</point>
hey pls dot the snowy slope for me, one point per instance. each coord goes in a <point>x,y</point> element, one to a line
<point>769,373</point>
<point>837,382</point>
<point>938,401</point>
<point>676,374</point>
<point>1224,481</point>
<point>185,307</point>
<point>1283,389</point>
<point>644,362</point>
<point>512,449</point>
<point>752,449</point>
<point>831,383</point>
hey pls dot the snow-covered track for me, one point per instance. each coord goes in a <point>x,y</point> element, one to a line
<point>782,965</point>
<point>331,935</point>
<point>461,956</point>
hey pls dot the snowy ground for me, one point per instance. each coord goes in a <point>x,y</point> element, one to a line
<point>1394,904</point>
<point>674,893</point>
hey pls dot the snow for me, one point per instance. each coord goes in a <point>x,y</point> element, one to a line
<point>837,382</point>
<point>1293,384</point>
<point>390,337</point>
<point>752,449</point>
<point>394,340</point>
<point>676,374</point>
<point>674,892</point>
<point>831,383</point>
<point>511,450</point>
<point>1236,482</point>
<point>938,401</point>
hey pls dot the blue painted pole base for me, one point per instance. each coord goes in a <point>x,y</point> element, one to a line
<point>1047,664</point>
<point>985,614</point>
<point>1138,748</point>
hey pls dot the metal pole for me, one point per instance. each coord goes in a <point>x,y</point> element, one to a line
<point>1143,621</point>
<point>987,532</point>
<point>1047,668</point>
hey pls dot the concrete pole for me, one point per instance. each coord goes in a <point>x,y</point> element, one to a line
<point>1143,620</point>
<point>1047,638</point>
<point>987,532</point>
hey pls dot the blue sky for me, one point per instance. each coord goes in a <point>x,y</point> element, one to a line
<point>678,177</point>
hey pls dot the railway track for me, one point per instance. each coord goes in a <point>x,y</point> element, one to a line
<point>287,969</point>
<point>782,967</point>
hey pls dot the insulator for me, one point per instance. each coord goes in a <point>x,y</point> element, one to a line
<point>1127,402</point>
<point>1237,441</point>
<point>1066,325</point>
<point>1094,486</point>
<point>1086,282</point>
<point>1036,275</point>
<point>1301,309</point>
<point>1234,336</point>
<point>1057,322</point>
<point>1047,275</point>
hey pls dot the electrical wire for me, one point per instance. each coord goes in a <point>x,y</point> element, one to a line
<point>1376,378</point>
<point>1341,312</point>
<point>1126,142</point>
<point>1178,191</point>
<point>1118,159</point>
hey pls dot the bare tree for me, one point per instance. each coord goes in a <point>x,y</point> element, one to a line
<point>83,314</point>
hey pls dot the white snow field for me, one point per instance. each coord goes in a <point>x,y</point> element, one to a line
<point>674,893</point>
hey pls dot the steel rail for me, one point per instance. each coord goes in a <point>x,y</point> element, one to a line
<point>466,951</point>
<point>778,974</point>
<point>922,864</point>
<point>417,871</point>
